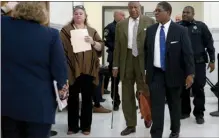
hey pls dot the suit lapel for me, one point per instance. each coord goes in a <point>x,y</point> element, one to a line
<point>140,25</point>
<point>126,26</point>
<point>153,35</point>
<point>169,34</point>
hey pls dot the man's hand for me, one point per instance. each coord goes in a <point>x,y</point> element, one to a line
<point>115,72</point>
<point>211,66</point>
<point>189,81</point>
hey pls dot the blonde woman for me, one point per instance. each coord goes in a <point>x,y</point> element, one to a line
<point>32,57</point>
<point>83,70</point>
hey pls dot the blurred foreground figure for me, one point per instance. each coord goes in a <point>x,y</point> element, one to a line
<point>32,57</point>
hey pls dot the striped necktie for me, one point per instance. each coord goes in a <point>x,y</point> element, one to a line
<point>134,40</point>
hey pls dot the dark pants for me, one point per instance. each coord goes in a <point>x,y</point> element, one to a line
<point>158,92</point>
<point>115,81</point>
<point>106,82</point>
<point>97,97</point>
<point>83,84</point>
<point>20,129</point>
<point>198,93</point>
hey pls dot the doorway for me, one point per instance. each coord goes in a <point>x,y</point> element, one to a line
<point>107,17</point>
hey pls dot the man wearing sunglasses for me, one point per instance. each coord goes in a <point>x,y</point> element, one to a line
<point>169,64</point>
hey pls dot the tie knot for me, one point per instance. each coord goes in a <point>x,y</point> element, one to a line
<point>162,27</point>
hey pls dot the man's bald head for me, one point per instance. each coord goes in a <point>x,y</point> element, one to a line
<point>178,18</point>
<point>119,15</point>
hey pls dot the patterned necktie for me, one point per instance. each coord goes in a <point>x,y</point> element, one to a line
<point>134,40</point>
<point>162,48</point>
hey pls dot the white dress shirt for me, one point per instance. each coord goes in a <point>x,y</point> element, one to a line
<point>157,43</point>
<point>130,31</point>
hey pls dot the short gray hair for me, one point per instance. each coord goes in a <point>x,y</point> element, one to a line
<point>32,11</point>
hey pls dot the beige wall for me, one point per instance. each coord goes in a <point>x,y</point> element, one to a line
<point>94,10</point>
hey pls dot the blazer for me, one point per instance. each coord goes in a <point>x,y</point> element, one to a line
<point>32,57</point>
<point>121,43</point>
<point>179,55</point>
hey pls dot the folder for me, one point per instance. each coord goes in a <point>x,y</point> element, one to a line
<point>61,103</point>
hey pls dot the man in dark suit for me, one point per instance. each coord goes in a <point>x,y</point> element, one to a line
<point>169,64</point>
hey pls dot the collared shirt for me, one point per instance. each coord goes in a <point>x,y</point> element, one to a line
<point>130,31</point>
<point>157,43</point>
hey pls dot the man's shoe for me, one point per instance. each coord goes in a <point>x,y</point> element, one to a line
<point>53,133</point>
<point>116,108</point>
<point>101,109</point>
<point>174,135</point>
<point>200,120</point>
<point>106,91</point>
<point>184,116</point>
<point>128,131</point>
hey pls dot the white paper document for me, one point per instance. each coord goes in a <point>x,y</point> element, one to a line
<point>61,103</point>
<point>78,42</point>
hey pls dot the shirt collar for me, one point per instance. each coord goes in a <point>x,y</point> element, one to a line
<point>132,19</point>
<point>166,25</point>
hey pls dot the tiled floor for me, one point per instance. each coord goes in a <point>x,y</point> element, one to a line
<point>101,126</point>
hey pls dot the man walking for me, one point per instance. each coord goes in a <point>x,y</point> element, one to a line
<point>128,58</point>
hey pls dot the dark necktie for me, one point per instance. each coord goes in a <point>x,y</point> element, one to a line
<point>162,48</point>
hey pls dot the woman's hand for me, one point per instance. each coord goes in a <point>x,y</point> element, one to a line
<point>89,39</point>
<point>64,92</point>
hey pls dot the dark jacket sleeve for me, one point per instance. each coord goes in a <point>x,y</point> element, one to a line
<point>208,41</point>
<point>146,49</point>
<point>187,53</point>
<point>58,64</point>
<point>108,40</point>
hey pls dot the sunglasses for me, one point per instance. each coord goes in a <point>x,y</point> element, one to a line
<point>78,7</point>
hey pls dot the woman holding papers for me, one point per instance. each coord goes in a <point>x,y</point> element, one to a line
<point>83,48</point>
<point>32,57</point>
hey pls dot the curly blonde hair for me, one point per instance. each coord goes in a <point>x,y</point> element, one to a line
<point>32,11</point>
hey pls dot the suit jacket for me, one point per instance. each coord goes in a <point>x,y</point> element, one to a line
<point>121,43</point>
<point>32,57</point>
<point>179,55</point>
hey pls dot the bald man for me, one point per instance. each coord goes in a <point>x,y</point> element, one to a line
<point>178,18</point>
<point>109,39</point>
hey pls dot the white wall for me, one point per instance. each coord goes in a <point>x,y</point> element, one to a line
<point>211,14</point>
<point>94,10</point>
<point>60,12</point>
<point>212,21</point>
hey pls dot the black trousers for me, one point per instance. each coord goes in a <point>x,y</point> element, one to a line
<point>158,92</point>
<point>106,82</point>
<point>83,84</point>
<point>115,81</point>
<point>97,96</point>
<point>12,128</point>
<point>198,93</point>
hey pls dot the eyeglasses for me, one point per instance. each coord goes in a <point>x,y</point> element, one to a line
<point>78,7</point>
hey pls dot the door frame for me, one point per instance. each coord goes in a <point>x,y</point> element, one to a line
<point>104,8</point>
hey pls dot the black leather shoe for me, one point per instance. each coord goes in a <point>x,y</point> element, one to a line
<point>53,133</point>
<point>200,120</point>
<point>174,135</point>
<point>116,108</point>
<point>184,116</point>
<point>128,131</point>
